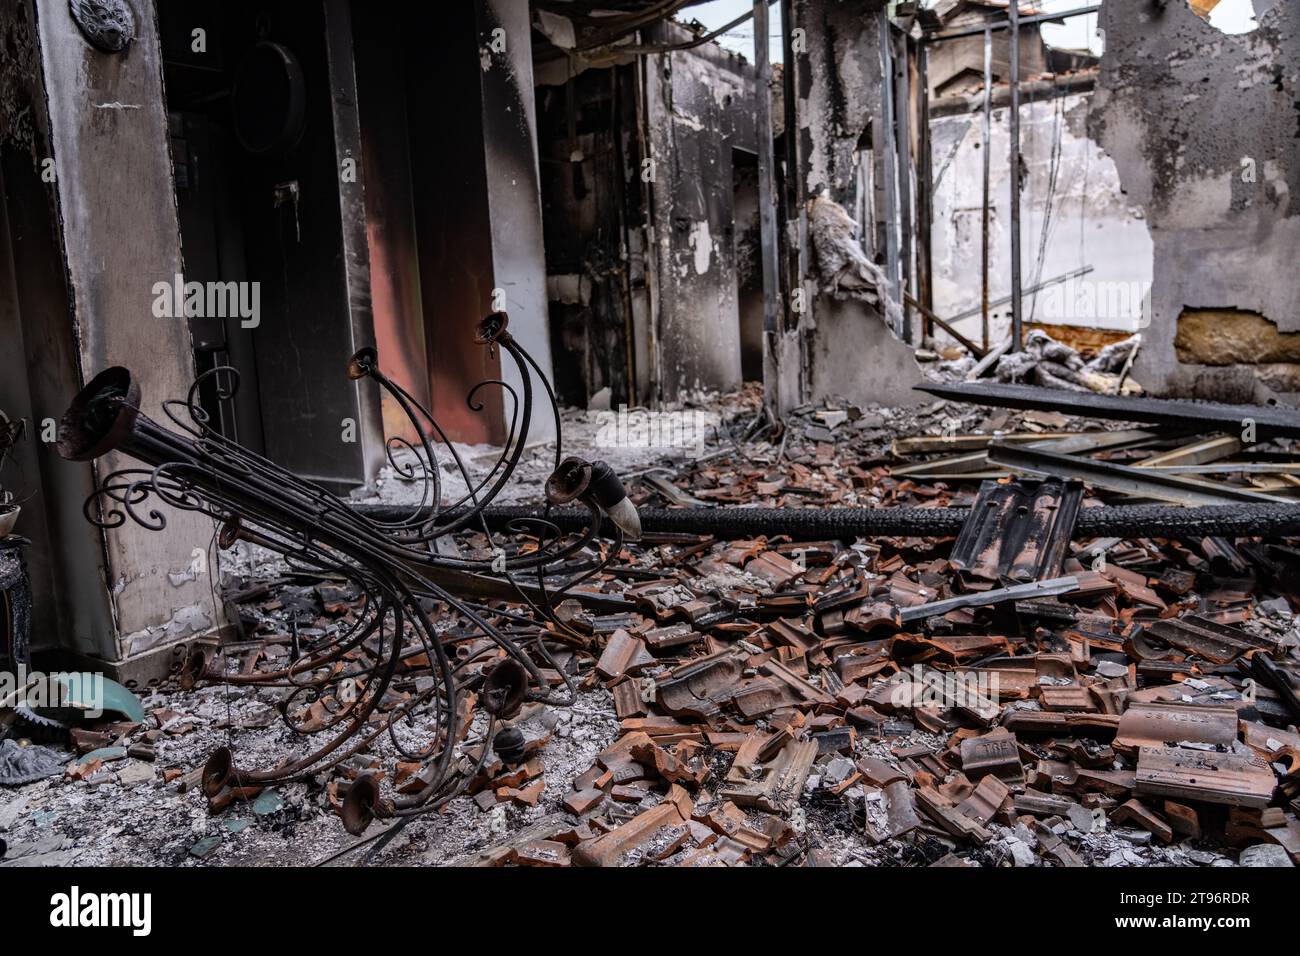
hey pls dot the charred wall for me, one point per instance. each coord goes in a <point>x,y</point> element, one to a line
<point>39,363</point>
<point>853,354</point>
<point>1205,130</point>
<point>697,113</point>
<point>85,246</point>
<point>593,219</point>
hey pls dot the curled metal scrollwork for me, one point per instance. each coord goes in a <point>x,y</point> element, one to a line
<point>392,672</point>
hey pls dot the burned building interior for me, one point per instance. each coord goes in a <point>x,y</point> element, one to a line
<point>588,433</point>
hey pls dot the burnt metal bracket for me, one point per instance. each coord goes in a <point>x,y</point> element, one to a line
<point>402,581</point>
<point>107,25</point>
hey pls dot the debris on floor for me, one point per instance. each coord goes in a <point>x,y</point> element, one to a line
<point>1047,362</point>
<point>1014,693</point>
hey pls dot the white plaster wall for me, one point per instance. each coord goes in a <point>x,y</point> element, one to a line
<point>1093,224</point>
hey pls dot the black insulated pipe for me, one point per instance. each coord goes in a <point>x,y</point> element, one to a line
<point>816,524</point>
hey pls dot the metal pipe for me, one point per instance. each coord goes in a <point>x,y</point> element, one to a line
<point>1003,300</point>
<point>1017,341</point>
<point>984,218</point>
<point>925,187</point>
<point>643,49</point>
<point>932,319</point>
<point>1267,421</point>
<point>907,252</point>
<point>889,158</point>
<point>766,176</point>
<point>1125,479</point>
<point>817,524</point>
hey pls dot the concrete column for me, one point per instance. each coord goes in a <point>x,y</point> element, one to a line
<point>853,354</point>
<point>116,205</point>
<point>514,195</point>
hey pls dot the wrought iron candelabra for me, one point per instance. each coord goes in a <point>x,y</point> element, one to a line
<point>392,671</point>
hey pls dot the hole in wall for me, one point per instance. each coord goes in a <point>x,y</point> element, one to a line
<point>1227,336</point>
<point>1228,16</point>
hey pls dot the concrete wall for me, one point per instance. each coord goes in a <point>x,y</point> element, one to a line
<point>117,218</point>
<point>1203,129</point>
<point>476,204</point>
<point>354,232</point>
<point>853,355</point>
<point>697,106</point>
<point>1092,223</point>
<point>395,292</point>
<point>39,365</point>
<point>514,194</point>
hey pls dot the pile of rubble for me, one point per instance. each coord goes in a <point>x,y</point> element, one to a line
<point>1018,694</point>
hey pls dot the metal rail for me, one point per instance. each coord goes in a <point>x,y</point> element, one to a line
<point>1266,420</point>
<point>1142,482</point>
